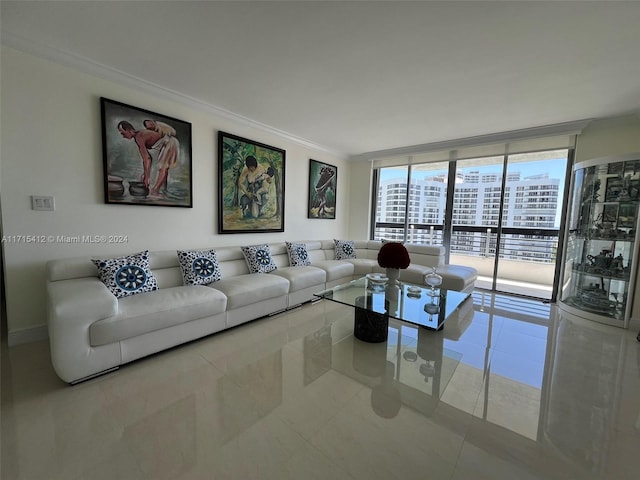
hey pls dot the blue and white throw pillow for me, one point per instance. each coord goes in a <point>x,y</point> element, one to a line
<point>258,258</point>
<point>199,267</point>
<point>345,249</point>
<point>128,275</point>
<point>298,255</point>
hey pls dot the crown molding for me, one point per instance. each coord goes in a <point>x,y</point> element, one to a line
<point>106,72</point>
<point>567,128</point>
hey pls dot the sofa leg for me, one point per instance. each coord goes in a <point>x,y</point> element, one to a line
<point>84,379</point>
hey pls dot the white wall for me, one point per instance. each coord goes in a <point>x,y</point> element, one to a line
<point>360,200</point>
<point>51,145</point>
<point>609,136</point>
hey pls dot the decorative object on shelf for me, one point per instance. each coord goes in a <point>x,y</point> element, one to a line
<point>393,274</point>
<point>393,256</point>
<point>323,184</point>
<point>622,189</point>
<point>616,167</point>
<point>414,292</point>
<point>602,260</point>
<point>433,307</point>
<point>626,216</point>
<point>591,191</point>
<point>614,190</point>
<point>250,186</point>
<point>377,281</point>
<point>434,281</point>
<point>146,157</point>
<point>392,293</point>
<point>410,356</point>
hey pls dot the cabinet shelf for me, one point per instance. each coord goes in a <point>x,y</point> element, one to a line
<point>625,238</point>
<point>579,271</point>
<point>601,252</point>
<point>613,311</point>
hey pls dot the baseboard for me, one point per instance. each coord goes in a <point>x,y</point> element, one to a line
<point>27,335</point>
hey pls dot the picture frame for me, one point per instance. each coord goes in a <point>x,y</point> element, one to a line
<point>146,157</point>
<point>323,181</point>
<point>615,168</point>
<point>613,189</point>
<point>251,185</point>
<point>632,167</point>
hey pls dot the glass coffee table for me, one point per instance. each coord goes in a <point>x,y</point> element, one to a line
<point>375,303</point>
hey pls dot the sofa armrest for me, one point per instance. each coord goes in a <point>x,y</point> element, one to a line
<point>80,301</point>
<point>73,306</point>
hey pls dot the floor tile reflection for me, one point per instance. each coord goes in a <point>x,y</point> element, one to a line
<point>510,388</point>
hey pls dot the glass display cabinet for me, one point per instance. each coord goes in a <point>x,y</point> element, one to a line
<point>601,250</point>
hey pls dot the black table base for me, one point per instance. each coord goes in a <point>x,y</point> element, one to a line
<point>370,326</point>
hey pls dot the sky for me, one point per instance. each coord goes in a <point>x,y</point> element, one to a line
<point>555,168</point>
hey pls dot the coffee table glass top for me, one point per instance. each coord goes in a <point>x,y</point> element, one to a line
<point>404,301</point>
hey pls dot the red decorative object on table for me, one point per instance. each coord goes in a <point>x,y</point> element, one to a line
<point>393,255</point>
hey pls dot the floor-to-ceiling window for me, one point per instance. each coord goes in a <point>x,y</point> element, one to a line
<point>502,216</point>
<point>391,203</point>
<point>507,217</point>
<point>415,213</point>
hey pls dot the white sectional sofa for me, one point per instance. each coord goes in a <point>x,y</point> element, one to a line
<point>92,332</point>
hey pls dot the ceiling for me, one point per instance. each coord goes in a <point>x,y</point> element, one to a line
<point>358,77</point>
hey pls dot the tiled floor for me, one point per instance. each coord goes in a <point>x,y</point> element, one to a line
<point>510,389</point>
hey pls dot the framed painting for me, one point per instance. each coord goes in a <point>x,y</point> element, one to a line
<point>146,157</point>
<point>322,190</point>
<point>250,186</point>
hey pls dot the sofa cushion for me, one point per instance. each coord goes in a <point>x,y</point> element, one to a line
<point>128,275</point>
<point>258,258</point>
<point>454,277</point>
<point>362,266</point>
<point>457,277</point>
<point>415,273</point>
<point>246,289</point>
<point>345,249</point>
<point>302,277</point>
<point>298,255</point>
<point>199,267</point>
<point>140,314</point>
<point>335,269</point>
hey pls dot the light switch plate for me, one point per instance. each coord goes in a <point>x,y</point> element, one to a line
<point>40,202</point>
